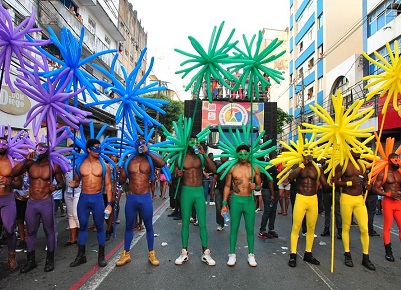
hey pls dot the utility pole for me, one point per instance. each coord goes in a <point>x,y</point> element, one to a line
<point>302,99</point>
<point>157,116</point>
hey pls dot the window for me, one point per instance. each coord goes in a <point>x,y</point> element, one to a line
<point>382,15</point>
<point>301,46</point>
<point>91,25</point>
<point>309,95</point>
<point>107,40</point>
<point>320,22</point>
<point>311,62</point>
<point>310,120</point>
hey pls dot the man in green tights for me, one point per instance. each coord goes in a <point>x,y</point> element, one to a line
<point>192,194</point>
<point>242,202</point>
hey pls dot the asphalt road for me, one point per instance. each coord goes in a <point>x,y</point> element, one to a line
<point>271,255</point>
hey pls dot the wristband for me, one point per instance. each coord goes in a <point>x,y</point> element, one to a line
<point>109,203</point>
<point>302,165</point>
<point>349,183</point>
<point>388,194</point>
<point>224,202</point>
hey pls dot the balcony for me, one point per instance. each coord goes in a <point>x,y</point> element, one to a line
<point>55,15</point>
<point>108,13</point>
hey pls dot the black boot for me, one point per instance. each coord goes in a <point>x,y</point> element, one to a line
<point>348,259</point>
<point>49,266</point>
<point>30,264</point>
<point>367,263</point>
<point>293,260</point>
<point>326,232</point>
<point>308,257</point>
<point>389,253</point>
<point>100,257</point>
<point>81,258</point>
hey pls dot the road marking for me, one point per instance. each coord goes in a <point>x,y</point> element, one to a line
<point>95,276</point>
<point>322,276</point>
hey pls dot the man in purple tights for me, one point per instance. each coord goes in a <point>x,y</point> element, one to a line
<point>8,210</point>
<point>40,207</point>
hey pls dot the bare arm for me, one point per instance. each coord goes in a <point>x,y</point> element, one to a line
<point>158,161</point>
<point>226,191</point>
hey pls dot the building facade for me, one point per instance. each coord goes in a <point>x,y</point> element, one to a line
<point>107,25</point>
<point>325,43</point>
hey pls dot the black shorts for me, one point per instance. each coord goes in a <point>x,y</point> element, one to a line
<point>21,208</point>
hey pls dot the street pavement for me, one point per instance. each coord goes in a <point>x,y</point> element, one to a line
<point>271,255</point>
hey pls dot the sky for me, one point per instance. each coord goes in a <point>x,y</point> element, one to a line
<point>169,23</point>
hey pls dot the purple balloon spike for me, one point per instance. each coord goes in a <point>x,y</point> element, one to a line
<point>51,100</point>
<point>14,43</point>
<point>18,146</point>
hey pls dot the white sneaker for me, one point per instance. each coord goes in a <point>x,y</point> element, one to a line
<point>251,260</point>
<point>212,203</point>
<point>220,228</point>
<point>232,259</point>
<point>304,235</point>
<point>206,258</point>
<point>182,258</point>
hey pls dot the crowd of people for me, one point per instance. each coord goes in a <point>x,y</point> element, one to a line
<point>31,190</point>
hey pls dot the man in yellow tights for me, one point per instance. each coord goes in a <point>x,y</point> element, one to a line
<point>307,175</point>
<point>351,180</point>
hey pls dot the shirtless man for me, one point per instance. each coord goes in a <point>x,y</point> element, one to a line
<point>391,189</point>
<point>192,194</point>
<point>8,210</point>
<point>352,203</point>
<point>95,175</point>
<point>40,206</point>
<point>139,198</point>
<point>242,202</point>
<point>307,178</point>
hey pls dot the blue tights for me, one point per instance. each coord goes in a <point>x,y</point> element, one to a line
<point>143,203</point>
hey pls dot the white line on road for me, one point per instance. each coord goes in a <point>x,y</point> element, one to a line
<point>96,279</point>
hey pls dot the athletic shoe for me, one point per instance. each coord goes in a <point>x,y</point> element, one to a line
<point>251,260</point>
<point>232,259</point>
<point>273,234</point>
<point>304,235</point>
<point>373,233</point>
<point>206,258</point>
<point>220,228</point>
<point>212,203</point>
<point>21,246</point>
<point>182,258</point>
<point>264,235</point>
<point>196,223</point>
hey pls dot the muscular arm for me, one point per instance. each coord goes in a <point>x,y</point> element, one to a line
<point>226,190</point>
<point>378,184</point>
<point>21,168</point>
<point>209,164</point>
<point>157,161</point>
<point>59,176</point>
<point>107,183</point>
<point>123,176</point>
<point>258,180</point>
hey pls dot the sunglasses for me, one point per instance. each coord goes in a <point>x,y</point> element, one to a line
<point>193,142</point>
<point>95,149</point>
<point>3,145</point>
<point>41,149</point>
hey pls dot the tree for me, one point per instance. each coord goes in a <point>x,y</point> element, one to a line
<point>283,118</point>
<point>173,111</point>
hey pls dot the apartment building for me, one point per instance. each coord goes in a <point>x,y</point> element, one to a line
<point>325,43</point>
<point>111,24</point>
<point>383,25</point>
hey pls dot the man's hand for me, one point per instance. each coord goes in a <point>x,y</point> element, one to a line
<point>52,187</point>
<point>180,173</point>
<point>201,150</point>
<point>252,185</point>
<point>73,184</point>
<point>109,208</point>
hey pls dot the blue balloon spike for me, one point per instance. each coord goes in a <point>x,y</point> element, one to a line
<point>71,51</point>
<point>131,104</point>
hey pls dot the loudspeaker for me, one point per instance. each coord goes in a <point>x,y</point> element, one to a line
<point>189,106</point>
<point>270,121</point>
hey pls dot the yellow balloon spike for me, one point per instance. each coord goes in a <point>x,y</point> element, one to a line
<point>388,82</point>
<point>294,155</point>
<point>341,133</point>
